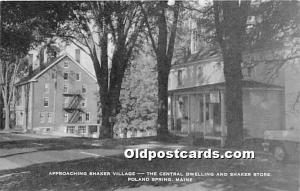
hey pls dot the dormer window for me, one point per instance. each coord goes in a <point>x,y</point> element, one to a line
<point>179,78</point>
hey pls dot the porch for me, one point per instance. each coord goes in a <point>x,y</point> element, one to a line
<point>198,113</point>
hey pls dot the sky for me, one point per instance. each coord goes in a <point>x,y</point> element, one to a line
<point>85,59</point>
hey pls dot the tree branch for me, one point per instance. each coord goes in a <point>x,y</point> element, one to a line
<point>199,11</point>
<point>173,33</point>
<point>149,28</point>
<point>219,30</point>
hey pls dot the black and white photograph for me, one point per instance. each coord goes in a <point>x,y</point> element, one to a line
<point>150,95</point>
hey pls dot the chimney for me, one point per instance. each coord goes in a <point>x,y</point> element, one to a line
<point>30,64</point>
<point>77,55</point>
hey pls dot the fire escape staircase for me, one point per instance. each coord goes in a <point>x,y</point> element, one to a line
<point>74,107</point>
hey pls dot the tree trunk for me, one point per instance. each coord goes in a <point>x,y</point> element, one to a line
<point>163,66</point>
<point>230,21</point>
<point>109,106</point>
<point>110,92</point>
<point>233,99</point>
<point>162,118</point>
<point>1,112</point>
<point>6,108</point>
<point>106,130</point>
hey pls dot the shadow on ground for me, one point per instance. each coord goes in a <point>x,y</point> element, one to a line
<point>37,177</point>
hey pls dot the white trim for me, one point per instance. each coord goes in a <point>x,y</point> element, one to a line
<point>65,55</point>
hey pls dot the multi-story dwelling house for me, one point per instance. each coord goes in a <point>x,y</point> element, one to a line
<point>197,85</point>
<point>60,96</point>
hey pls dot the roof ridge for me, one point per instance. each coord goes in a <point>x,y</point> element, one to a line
<point>35,74</point>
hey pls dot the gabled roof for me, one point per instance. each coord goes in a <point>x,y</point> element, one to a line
<point>40,71</point>
<point>221,85</point>
<point>202,55</point>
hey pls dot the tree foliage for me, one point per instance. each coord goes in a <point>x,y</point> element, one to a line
<point>108,32</point>
<point>139,95</point>
<point>23,25</point>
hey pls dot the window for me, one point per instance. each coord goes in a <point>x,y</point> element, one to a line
<point>42,117</point>
<point>46,88</point>
<point>50,117</point>
<point>66,118</point>
<point>66,101</point>
<point>46,101</point>
<point>66,75</point>
<point>78,76</point>
<point>66,65</point>
<point>199,74</point>
<point>195,41</point>
<point>92,129</point>
<point>66,88</point>
<point>81,129</point>
<point>250,71</point>
<point>83,102</point>
<point>71,129</point>
<point>87,117</point>
<point>80,118</point>
<point>179,77</point>
<point>83,88</point>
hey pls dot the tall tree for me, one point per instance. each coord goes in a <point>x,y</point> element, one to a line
<point>108,32</point>
<point>162,38</point>
<point>23,25</point>
<point>246,26</point>
<point>230,22</point>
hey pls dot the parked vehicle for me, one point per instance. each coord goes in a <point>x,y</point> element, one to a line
<point>283,144</point>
